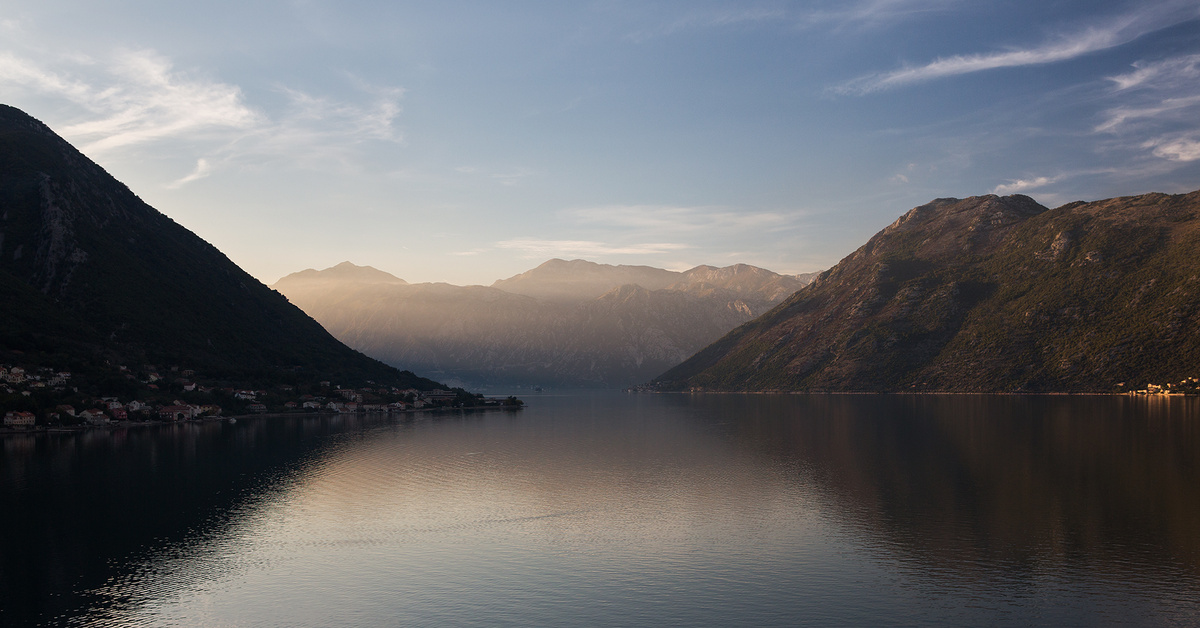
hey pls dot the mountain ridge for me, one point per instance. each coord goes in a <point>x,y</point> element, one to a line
<point>984,294</point>
<point>120,282</point>
<point>604,331</point>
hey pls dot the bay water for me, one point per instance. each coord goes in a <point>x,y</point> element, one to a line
<point>607,509</point>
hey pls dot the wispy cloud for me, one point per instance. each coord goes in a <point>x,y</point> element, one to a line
<point>1177,147</point>
<point>1159,110</point>
<point>537,248</point>
<point>145,101</point>
<point>668,219</point>
<point>138,97</point>
<point>1173,72</point>
<point>203,169</point>
<point>1022,185</point>
<point>871,13</point>
<point>1116,32</point>
<point>16,72</point>
<point>1118,116</point>
<point>837,14</point>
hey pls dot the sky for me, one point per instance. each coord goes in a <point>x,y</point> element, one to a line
<point>466,142</point>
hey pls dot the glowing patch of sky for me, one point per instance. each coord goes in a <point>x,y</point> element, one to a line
<point>467,141</point>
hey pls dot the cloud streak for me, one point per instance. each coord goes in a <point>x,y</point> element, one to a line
<point>147,100</point>
<point>1021,185</point>
<point>203,169</point>
<point>138,97</point>
<point>537,248</point>
<point>1176,72</point>
<point>1119,31</point>
<point>668,219</point>
<point>1179,147</point>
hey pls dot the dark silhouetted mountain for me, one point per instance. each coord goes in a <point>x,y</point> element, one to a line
<point>90,274</point>
<point>607,329</point>
<point>988,294</point>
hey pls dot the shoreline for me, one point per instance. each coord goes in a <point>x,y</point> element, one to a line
<point>118,425</point>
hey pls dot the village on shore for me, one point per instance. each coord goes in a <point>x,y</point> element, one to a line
<point>45,397</point>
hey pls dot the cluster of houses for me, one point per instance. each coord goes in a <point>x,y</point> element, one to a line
<point>104,410</point>
<point>1189,386</point>
<point>32,379</point>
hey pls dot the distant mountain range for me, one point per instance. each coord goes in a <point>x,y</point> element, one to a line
<point>92,277</point>
<point>565,323</point>
<point>985,294</point>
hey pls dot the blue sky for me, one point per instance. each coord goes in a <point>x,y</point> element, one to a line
<point>469,141</point>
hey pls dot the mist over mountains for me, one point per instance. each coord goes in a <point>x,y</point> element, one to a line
<point>565,323</point>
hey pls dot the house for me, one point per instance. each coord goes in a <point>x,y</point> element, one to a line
<point>257,407</point>
<point>176,413</point>
<point>94,416</point>
<point>189,386</point>
<point>210,410</point>
<point>439,395</point>
<point>135,406</point>
<point>246,395</point>
<point>15,418</point>
<point>119,414</point>
<point>291,405</point>
<point>311,405</point>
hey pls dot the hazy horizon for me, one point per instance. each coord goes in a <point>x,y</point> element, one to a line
<point>465,142</point>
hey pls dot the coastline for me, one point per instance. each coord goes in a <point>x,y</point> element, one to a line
<point>120,425</point>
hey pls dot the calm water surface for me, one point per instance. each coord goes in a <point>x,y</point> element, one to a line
<point>616,510</point>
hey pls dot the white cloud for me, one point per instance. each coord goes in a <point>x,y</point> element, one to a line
<point>1178,148</point>
<point>1120,31</point>
<point>1118,116</point>
<point>1021,185</point>
<point>538,248</point>
<point>1173,72</point>
<point>138,97</point>
<point>150,101</point>
<point>15,71</point>
<point>203,169</point>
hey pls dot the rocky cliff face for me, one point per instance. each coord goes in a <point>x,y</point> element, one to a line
<point>539,327</point>
<point>989,294</point>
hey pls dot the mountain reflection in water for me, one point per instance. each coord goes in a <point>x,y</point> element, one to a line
<point>620,510</point>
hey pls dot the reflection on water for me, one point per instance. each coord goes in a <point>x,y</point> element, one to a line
<point>620,510</point>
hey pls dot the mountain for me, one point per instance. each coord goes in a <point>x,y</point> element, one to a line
<point>985,294</point>
<point>90,275</point>
<point>612,326</point>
